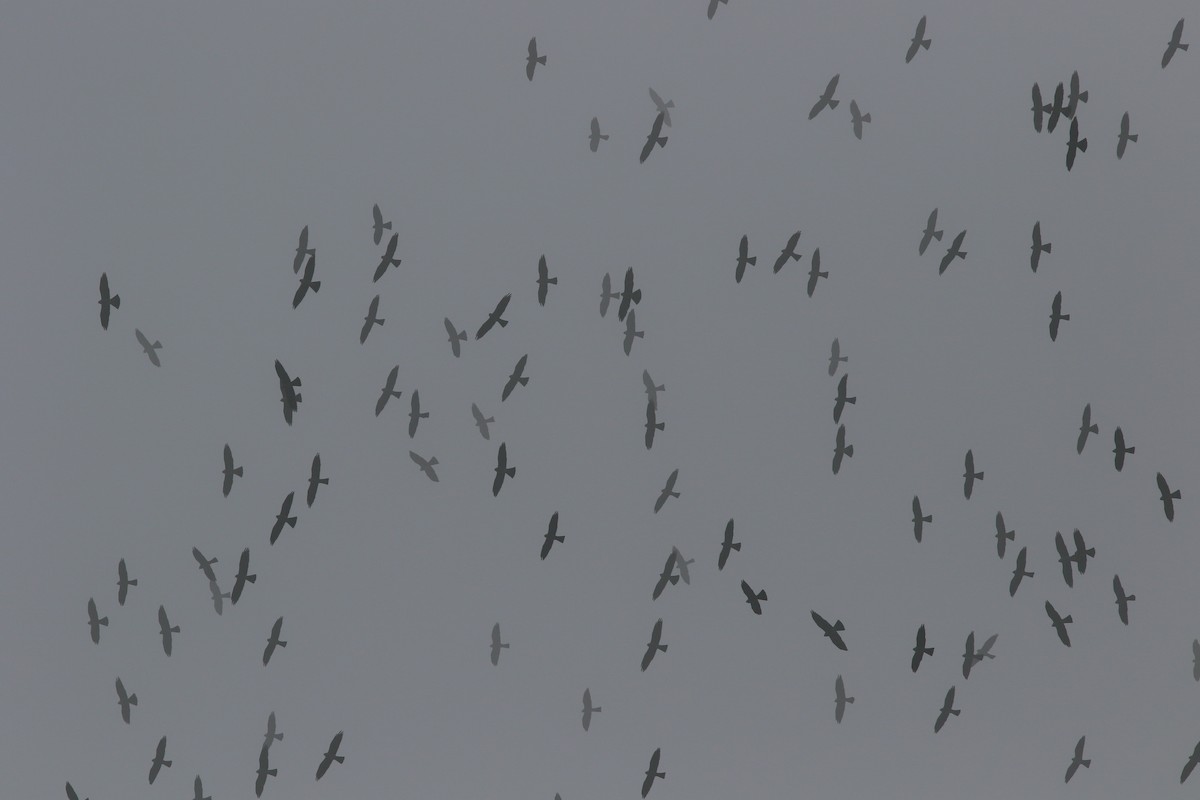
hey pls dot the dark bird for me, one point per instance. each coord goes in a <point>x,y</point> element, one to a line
<point>835,357</point>
<point>306,282</point>
<point>1120,451</point>
<point>388,259</point>
<point>302,250</point>
<point>789,251</point>
<point>271,736</point>
<point>1124,137</point>
<point>588,709</point>
<point>160,759</point>
<point>389,390</point>
<point>148,348</point>
<point>986,650</point>
<point>282,517</point>
<point>954,251</point>
<point>744,259</point>
<point>930,233</point>
<point>71,795</point>
<point>1085,428</point>
<point>814,271</point>
<point>1167,496</point>
<point>631,331</point>
<point>1002,535</point>
<point>654,645</point>
<point>379,226</point>
<point>125,700</point>
<point>497,316</point>
<point>857,119</point>
<point>217,596</point>
<point>840,699</point>
<point>264,769</point>
<point>1196,659</point>
<point>839,403</point>
<point>683,563</point>
<point>370,320</point>
<point>1038,247</point>
<point>629,295</point>
<point>497,645</point>
<point>502,469</point>
<point>273,641</point>
<point>655,137</point>
<point>667,575</point>
<point>287,388</point>
<point>652,772</point>
<point>918,520</point>
<point>667,491</point>
<point>841,449</point>
<point>652,390</point>
<point>920,650</point>
<point>544,281</point>
<point>1077,760</point>
<point>1055,108</point>
<point>516,377</point>
<point>111,301</point>
<point>606,294</point>
<point>229,472</point>
<point>481,421</point>
<point>918,41</point>
<point>1075,97</point>
<point>456,337</point>
<point>551,536</point>
<point>198,788</point>
<point>755,600</point>
<point>947,709</point>
<point>969,658</point>
<point>832,632</point>
<point>123,582</point>
<point>165,629</point>
<point>205,564</point>
<point>595,137</point>
<point>1064,558</point>
<point>1192,761</point>
<point>712,7</point>
<point>315,479</point>
<point>242,578</point>
<point>331,755</point>
<point>415,414</point>
<point>1056,316</point>
<point>662,107</point>
<point>533,59</point>
<point>95,620</point>
<point>1174,44</point>
<point>652,425</point>
<point>1039,108</point>
<point>1019,572</point>
<point>426,465</point>
<point>826,99</point>
<point>1059,623</point>
<point>727,545</point>
<point>1082,552</point>
<point>1123,600</point>
<point>970,475</point>
<point>1074,144</point>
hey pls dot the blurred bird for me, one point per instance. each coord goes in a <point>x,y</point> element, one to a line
<point>606,294</point>
<point>654,138</point>
<point>631,332</point>
<point>302,250</point>
<point>651,389</point>
<point>836,357</point>
<point>481,421</point>
<point>198,788</point>
<point>217,597</point>
<point>712,7</point>
<point>1192,761</point>
<point>426,465</point>
<point>662,107</point>
<point>683,564</point>
<point>595,137</point>
<point>149,349</point>
<point>629,296</point>
<point>306,282</point>
<point>271,736</point>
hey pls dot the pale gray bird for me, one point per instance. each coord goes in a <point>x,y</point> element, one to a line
<point>379,226</point>
<point>217,597</point>
<point>149,348</point>
<point>302,250</point>
<point>857,118</point>
<point>836,357</point>
<point>457,337</point>
<point>481,421</point>
<point>652,390</point>
<point>125,701</point>
<point>683,564</point>
<point>662,107</point>
<point>426,465</point>
<point>607,295</point>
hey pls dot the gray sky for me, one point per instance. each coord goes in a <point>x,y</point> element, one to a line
<point>181,150</point>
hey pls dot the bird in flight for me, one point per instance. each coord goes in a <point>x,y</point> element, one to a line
<point>654,138</point>
<point>95,620</point>
<point>331,755</point>
<point>497,316</point>
<point>71,794</point>
<point>198,788</point>
<point>930,233</point>
<point>1064,558</point>
<point>1039,108</point>
<point>1074,144</point>
<point>123,582</point>
<point>306,282</point>
<point>229,472</point>
<point>667,491</point>
<point>217,596</point>
<point>388,259</point>
<point>149,348</point>
<point>287,387</point>
<point>502,469</point>
<point>947,709</point>
<point>456,337</point>
<point>588,709</point>
<point>629,295</point>
<point>516,377</point>
<point>920,650</point>
<point>1075,97</point>
<point>652,771</point>
<point>839,403</point>
<point>160,759</point>
<point>370,320</point>
<point>1056,316</point>
<point>667,575</point>
<point>1055,108</point>
<point>744,259</point>
<point>273,641</point>
<point>497,645</point>
<point>755,600</point>
<point>544,280</point>
<point>551,536</point>
<point>840,699</point>
<point>595,137</point>
<point>282,517</point>
<point>832,632</point>
<point>836,357</point>
<point>110,301</point>
<point>1077,760</point>
<point>1123,600</point>
<point>389,390</point>
<point>631,331</point>
<point>415,414</point>
<point>1167,496</point>
<point>814,272</point>
<point>1019,572</point>
<point>727,546</point>
<point>683,563</point>
<point>606,294</point>
<point>481,421</point>
<point>662,107</point>
<point>302,250</point>
<point>826,100</point>
<point>969,658</point>
<point>533,59</point>
<point>165,629</point>
<point>712,7</point>
<point>1085,427</point>
<point>1124,137</point>
<point>1002,535</point>
<point>1120,450</point>
<point>970,475</point>
<point>654,645</point>
<point>379,226</point>
<point>271,736</point>
<point>426,465</point>
<point>264,769</point>
<point>954,251</point>
<point>1192,761</point>
<point>1038,247</point>
<point>315,479</point>
<point>652,390</point>
<point>918,519</point>
<point>652,425</point>
<point>242,578</point>
<point>857,118</point>
<point>789,251</point>
<point>1059,623</point>
<point>841,449</point>
<point>1174,44</point>
<point>918,41</point>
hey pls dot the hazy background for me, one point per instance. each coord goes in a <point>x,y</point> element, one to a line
<point>181,149</point>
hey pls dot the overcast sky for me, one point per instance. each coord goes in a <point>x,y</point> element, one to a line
<point>180,148</point>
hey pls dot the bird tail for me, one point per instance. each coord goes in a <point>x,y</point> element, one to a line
<point>866,117</point>
<point>661,141</point>
<point>134,581</point>
<point>662,647</point>
<point>752,260</point>
<point>1183,47</point>
<point>938,235</point>
<point>1083,96</point>
<point>1127,450</point>
<point>395,262</point>
<point>928,651</point>
<point>282,644</point>
<point>553,280</point>
<point>503,323</point>
<point>252,578</point>
<point>1067,619</point>
<point>559,538</point>
<point>1131,597</point>
<point>838,626</point>
<point>422,415</point>
<point>979,476</point>
<point>674,579</point>
<point>597,708</point>
<point>115,300</point>
<point>1065,317</point>
<point>1046,247</point>
<point>505,644</point>
<point>849,699</point>
<point>962,254</point>
<point>1132,137</point>
<point>662,426</point>
<point>433,461</point>
<point>273,772</point>
<point>175,629</point>
<point>736,546</point>
<point>166,763</point>
<point>133,699</point>
<point>1175,495</point>
<point>315,286</point>
<point>834,103</point>
<point>523,381</point>
<point>676,494</point>
<point>157,345</point>
<point>1083,145</point>
<point>379,320</point>
<point>278,736</point>
<point>604,136</point>
<point>387,226</point>
<point>510,472</point>
<point>104,621</point>
<point>340,759</point>
<point>926,42</point>
<point>291,521</point>
<point>956,711</point>
<point>238,472</point>
<point>850,453</point>
<point>826,274</point>
<point>927,518</point>
<point>324,481</point>
<point>762,595</point>
<point>299,398</point>
<point>1087,762</point>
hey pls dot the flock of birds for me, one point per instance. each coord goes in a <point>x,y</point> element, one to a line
<point>1073,561</point>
